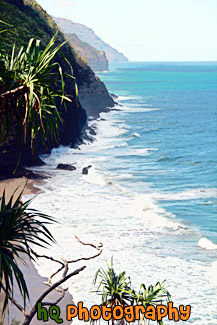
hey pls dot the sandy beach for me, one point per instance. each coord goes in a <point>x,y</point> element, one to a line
<point>33,279</point>
<point>11,184</point>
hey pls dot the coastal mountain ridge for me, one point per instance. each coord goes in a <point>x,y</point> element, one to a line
<point>95,59</point>
<point>87,35</point>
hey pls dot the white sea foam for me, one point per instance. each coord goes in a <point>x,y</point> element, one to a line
<point>126,98</point>
<point>146,208</point>
<point>94,177</point>
<point>120,229</point>
<point>118,145</point>
<point>211,274</point>
<point>136,135</point>
<point>122,176</point>
<point>97,209</point>
<point>124,222</point>
<point>138,109</point>
<point>139,152</point>
<point>197,193</point>
<point>150,109</point>
<point>206,244</point>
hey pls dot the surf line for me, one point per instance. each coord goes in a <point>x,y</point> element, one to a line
<point>130,313</point>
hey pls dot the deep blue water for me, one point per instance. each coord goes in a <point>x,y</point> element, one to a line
<point>174,110</point>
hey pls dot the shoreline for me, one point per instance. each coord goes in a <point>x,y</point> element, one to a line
<point>18,184</point>
<point>34,281</point>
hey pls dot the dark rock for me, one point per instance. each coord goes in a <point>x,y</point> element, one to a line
<point>29,174</point>
<point>115,109</point>
<point>34,161</point>
<point>76,147</point>
<point>92,131</point>
<point>66,167</point>
<point>114,96</point>
<point>21,172</point>
<point>85,170</point>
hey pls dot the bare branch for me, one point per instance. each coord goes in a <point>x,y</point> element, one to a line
<point>57,289</point>
<point>48,257</point>
<point>55,302</point>
<point>65,264</point>
<point>55,285</point>
<point>52,275</point>
<point>86,258</point>
<point>89,244</point>
<point>32,313</point>
<point>66,268</point>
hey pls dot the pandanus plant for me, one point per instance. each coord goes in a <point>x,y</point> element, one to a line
<point>116,290</point>
<point>30,83</point>
<point>152,296</point>
<point>20,228</point>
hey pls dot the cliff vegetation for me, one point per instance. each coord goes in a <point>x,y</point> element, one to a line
<point>29,20</point>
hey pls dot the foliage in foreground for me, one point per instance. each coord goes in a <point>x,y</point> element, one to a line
<point>20,227</point>
<point>30,84</point>
<point>116,289</point>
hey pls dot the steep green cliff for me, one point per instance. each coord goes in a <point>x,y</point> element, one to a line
<point>30,20</point>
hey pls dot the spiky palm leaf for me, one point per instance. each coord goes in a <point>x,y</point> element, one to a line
<point>152,296</point>
<point>20,227</point>
<point>115,289</point>
<point>30,84</point>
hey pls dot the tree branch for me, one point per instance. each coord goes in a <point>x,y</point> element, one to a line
<point>89,244</point>
<point>65,267</point>
<point>32,313</point>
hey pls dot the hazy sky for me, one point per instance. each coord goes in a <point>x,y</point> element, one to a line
<point>148,30</point>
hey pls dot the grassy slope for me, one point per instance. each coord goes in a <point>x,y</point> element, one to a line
<point>34,22</point>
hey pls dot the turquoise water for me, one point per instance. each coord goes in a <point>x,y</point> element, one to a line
<point>151,194</point>
<point>179,121</point>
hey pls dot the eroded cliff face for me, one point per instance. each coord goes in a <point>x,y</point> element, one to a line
<point>33,21</point>
<point>95,59</point>
<point>93,96</point>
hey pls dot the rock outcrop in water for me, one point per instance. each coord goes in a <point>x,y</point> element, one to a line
<point>87,35</point>
<point>66,167</point>
<point>85,170</point>
<point>31,21</point>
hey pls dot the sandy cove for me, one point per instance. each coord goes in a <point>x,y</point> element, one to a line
<point>33,279</point>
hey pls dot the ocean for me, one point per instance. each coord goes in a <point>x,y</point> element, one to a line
<point>151,194</point>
